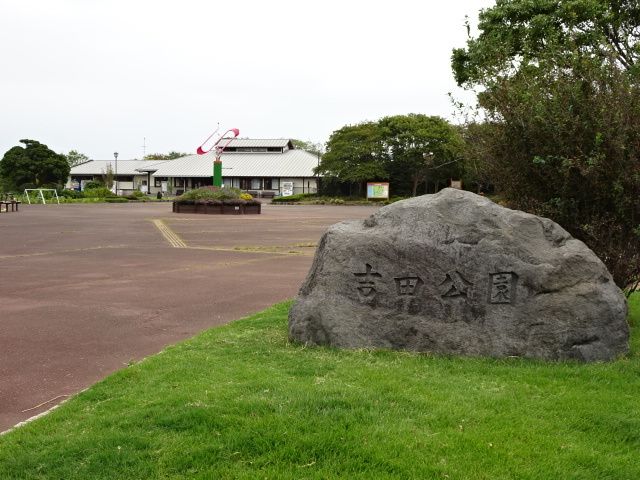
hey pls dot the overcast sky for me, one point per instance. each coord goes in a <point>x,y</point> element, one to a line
<point>99,76</point>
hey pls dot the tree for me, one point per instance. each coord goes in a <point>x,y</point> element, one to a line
<point>355,153</point>
<point>165,156</point>
<point>404,149</point>
<point>561,102</point>
<point>33,165</point>
<point>108,177</point>
<point>421,146</point>
<point>309,146</point>
<point>516,34</point>
<point>476,173</point>
<point>76,158</point>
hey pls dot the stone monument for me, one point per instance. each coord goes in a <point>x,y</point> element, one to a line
<point>455,273</point>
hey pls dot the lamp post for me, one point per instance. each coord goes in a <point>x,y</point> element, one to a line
<point>115,155</point>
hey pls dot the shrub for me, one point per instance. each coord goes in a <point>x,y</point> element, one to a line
<point>116,200</point>
<point>135,195</point>
<point>576,160</point>
<point>102,192</point>
<point>225,193</point>
<point>294,198</point>
<point>213,201</point>
<point>246,196</point>
<point>71,194</point>
<point>93,184</point>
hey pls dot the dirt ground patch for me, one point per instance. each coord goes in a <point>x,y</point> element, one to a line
<point>86,289</point>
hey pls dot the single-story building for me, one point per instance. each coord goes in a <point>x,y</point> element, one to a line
<point>263,167</point>
<point>129,177</point>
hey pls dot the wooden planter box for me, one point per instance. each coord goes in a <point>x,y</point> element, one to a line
<point>217,209</point>
<point>232,210</point>
<point>208,209</point>
<point>183,208</point>
<point>251,209</point>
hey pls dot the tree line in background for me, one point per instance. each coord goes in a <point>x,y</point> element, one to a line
<point>416,153</point>
<point>35,165</point>
<point>172,155</point>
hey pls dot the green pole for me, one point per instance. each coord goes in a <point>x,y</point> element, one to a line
<point>217,173</point>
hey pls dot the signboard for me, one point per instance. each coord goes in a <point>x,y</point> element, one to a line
<point>163,186</point>
<point>287,189</point>
<point>456,184</point>
<point>377,190</point>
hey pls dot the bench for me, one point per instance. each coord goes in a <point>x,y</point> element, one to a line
<point>9,200</point>
<point>268,194</point>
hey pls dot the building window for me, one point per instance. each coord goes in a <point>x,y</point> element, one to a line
<point>157,181</point>
<point>178,182</point>
<point>249,149</point>
<point>125,178</point>
<point>245,184</point>
<point>256,184</point>
<point>275,183</point>
<point>267,184</point>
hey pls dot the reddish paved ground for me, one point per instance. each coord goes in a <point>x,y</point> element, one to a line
<point>84,289</point>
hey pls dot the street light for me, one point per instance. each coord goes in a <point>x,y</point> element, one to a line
<point>115,155</point>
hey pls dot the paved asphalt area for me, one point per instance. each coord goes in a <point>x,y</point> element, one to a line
<point>87,288</point>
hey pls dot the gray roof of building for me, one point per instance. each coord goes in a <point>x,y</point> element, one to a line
<point>125,167</point>
<point>291,163</point>
<point>151,166</point>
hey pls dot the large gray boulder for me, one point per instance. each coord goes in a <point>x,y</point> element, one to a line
<point>455,273</point>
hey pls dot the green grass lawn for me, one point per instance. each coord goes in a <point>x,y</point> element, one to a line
<point>242,402</point>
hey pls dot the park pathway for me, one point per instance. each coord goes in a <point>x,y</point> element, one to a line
<point>86,289</point>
